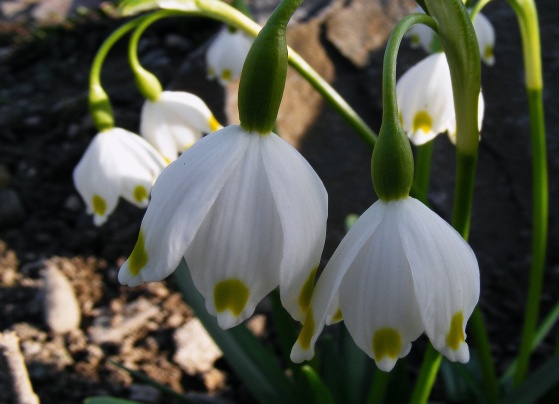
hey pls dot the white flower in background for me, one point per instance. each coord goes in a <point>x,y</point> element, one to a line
<point>116,163</point>
<point>175,121</point>
<point>247,212</point>
<point>423,36</point>
<point>226,55</point>
<point>400,271</point>
<point>425,100</point>
<point>485,38</point>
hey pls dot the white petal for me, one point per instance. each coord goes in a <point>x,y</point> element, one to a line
<point>181,198</point>
<point>377,295</point>
<point>421,36</point>
<point>175,121</point>
<point>486,38</point>
<point>329,282</point>
<point>446,277</point>
<point>226,55</point>
<point>426,89</point>
<point>302,204</point>
<point>241,239</point>
<point>96,176</point>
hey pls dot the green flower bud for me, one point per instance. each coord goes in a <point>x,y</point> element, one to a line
<point>264,72</point>
<point>392,162</point>
<point>100,108</point>
<point>148,85</point>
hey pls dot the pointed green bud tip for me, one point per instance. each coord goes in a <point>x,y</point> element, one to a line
<point>147,84</point>
<point>264,72</point>
<point>100,108</point>
<point>392,163</point>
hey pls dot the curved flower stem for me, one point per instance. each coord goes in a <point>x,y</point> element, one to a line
<point>99,103</point>
<point>221,11</point>
<point>529,30</point>
<point>478,7</point>
<point>422,173</point>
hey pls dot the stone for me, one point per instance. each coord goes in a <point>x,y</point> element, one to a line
<point>196,351</point>
<point>61,310</point>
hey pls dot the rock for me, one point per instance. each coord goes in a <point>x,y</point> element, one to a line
<point>196,351</point>
<point>61,310</point>
<point>144,393</point>
<point>132,317</point>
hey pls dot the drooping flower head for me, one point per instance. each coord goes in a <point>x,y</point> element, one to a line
<point>116,163</point>
<point>175,121</point>
<point>425,100</point>
<point>400,271</point>
<point>247,212</point>
<point>226,55</point>
<point>244,208</point>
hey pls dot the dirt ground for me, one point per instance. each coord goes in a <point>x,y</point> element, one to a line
<point>45,128</point>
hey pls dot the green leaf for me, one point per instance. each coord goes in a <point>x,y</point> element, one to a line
<point>537,384</point>
<point>317,390</point>
<point>254,364</point>
<point>108,400</point>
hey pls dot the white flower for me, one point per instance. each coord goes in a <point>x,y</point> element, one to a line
<point>485,38</point>
<point>247,212</point>
<point>226,55</point>
<point>116,163</point>
<point>425,100</point>
<point>401,270</point>
<point>175,121</point>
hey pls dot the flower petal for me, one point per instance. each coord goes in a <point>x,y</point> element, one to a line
<point>302,205</point>
<point>239,243</point>
<point>181,198</point>
<point>445,274</point>
<point>377,295</point>
<point>425,99</point>
<point>326,289</point>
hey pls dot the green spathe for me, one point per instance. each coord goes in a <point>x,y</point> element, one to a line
<point>264,72</point>
<point>392,162</point>
<point>100,108</point>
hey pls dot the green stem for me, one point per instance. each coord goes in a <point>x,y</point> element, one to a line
<point>221,11</point>
<point>379,386</point>
<point>99,103</point>
<point>427,376</point>
<point>477,327</point>
<point>529,29</point>
<point>148,85</point>
<point>422,172</point>
<point>477,8</point>
<point>539,231</point>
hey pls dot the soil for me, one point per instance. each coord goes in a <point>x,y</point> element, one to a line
<point>45,128</point>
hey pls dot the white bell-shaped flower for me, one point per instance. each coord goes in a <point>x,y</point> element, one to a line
<point>175,121</point>
<point>401,270</point>
<point>247,212</point>
<point>485,38</point>
<point>116,163</point>
<point>226,55</point>
<point>425,100</point>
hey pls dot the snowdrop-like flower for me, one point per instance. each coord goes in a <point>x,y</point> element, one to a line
<point>116,163</point>
<point>247,212</point>
<point>425,100</point>
<point>485,38</point>
<point>400,271</point>
<point>175,121</point>
<point>226,55</point>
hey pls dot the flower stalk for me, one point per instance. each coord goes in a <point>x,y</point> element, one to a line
<point>529,30</point>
